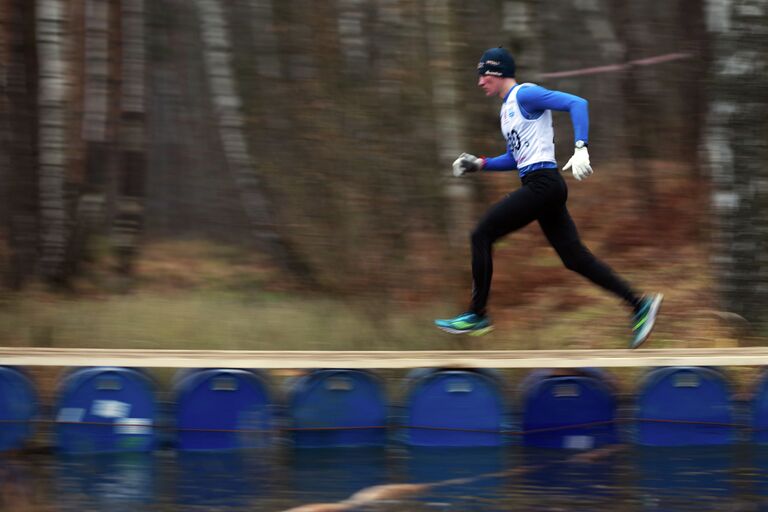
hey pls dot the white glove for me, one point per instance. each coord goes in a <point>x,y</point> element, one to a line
<point>467,163</point>
<point>580,163</point>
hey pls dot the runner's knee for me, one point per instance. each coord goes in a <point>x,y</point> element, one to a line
<point>576,258</point>
<point>481,236</point>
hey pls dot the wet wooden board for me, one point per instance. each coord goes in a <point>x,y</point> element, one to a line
<point>273,359</point>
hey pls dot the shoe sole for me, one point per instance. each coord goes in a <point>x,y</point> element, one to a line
<point>652,313</point>
<point>471,332</point>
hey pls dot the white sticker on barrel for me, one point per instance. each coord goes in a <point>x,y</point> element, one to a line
<point>458,386</point>
<point>339,384</point>
<point>687,380</point>
<point>110,408</point>
<point>70,414</point>
<point>566,391</point>
<point>139,426</point>
<point>578,442</point>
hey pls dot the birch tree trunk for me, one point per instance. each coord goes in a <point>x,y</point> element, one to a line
<point>227,106</point>
<point>52,134</point>
<point>96,70</point>
<point>735,147</point>
<point>96,95</point>
<point>131,136</point>
<point>449,125</point>
<point>353,38</point>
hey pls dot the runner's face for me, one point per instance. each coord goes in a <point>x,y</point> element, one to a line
<point>490,84</point>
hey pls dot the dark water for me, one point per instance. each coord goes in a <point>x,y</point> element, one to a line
<point>512,478</point>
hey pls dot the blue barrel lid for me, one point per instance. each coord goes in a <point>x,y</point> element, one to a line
<point>303,383</point>
<point>185,380</point>
<point>652,377</point>
<point>535,377</point>
<point>76,378</point>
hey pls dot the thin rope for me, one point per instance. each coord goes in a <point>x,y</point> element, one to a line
<point>557,428</point>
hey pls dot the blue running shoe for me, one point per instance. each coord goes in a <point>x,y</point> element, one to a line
<point>466,323</point>
<point>644,318</point>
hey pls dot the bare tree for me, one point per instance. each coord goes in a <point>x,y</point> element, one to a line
<point>18,138</point>
<point>262,29</point>
<point>638,109</point>
<point>52,96</point>
<point>735,147</point>
<point>131,135</point>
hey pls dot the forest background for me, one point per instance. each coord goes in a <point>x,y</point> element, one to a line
<point>263,174</point>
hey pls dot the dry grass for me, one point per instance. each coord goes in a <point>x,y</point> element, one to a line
<point>193,294</point>
<point>199,295</point>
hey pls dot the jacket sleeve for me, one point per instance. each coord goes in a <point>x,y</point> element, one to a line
<point>534,100</point>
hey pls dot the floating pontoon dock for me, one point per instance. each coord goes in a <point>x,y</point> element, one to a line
<point>288,359</point>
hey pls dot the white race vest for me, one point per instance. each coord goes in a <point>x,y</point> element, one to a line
<point>529,141</point>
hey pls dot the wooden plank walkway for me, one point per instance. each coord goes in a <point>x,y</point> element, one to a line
<point>273,359</point>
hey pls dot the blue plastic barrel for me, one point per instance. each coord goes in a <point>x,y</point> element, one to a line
<point>18,406</point>
<point>684,406</point>
<point>576,411</point>
<point>347,407</point>
<point>105,409</point>
<point>760,411</point>
<point>454,408</point>
<point>222,409</point>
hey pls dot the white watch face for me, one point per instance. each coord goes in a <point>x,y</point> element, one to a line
<point>580,144</point>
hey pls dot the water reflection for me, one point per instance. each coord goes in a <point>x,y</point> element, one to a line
<point>117,481</point>
<point>559,472</point>
<point>334,474</point>
<point>220,479</point>
<point>457,479</point>
<point>757,474</point>
<point>475,465</point>
<point>669,477</point>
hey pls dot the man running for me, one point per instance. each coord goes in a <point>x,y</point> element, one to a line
<point>526,124</point>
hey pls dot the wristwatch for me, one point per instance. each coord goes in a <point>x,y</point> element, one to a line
<point>581,144</point>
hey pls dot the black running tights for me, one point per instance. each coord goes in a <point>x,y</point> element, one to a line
<point>542,197</point>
